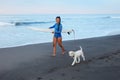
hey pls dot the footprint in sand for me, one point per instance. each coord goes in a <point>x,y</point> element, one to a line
<point>63,74</point>
<point>39,78</point>
<point>77,70</point>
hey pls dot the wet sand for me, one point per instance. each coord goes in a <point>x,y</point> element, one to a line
<point>34,62</point>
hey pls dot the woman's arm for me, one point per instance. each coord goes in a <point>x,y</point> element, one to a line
<point>52,26</point>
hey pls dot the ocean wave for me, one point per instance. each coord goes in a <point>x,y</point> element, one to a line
<point>111,17</point>
<point>117,17</point>
<point>30,23</point>
<point>106,17</point>
<point>6,24</point>
<point>22,23</point>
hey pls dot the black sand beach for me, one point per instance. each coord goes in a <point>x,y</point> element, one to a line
<point>34,62</point>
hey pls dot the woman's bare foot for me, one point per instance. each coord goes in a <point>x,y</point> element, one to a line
<point>63,52</point>
<point>53,55</point>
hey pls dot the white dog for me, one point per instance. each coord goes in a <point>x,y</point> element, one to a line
<point>76,55</point>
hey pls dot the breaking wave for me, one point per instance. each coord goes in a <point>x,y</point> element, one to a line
<point>22,23</point>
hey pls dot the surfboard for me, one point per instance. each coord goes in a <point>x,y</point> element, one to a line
<point>50,30</point>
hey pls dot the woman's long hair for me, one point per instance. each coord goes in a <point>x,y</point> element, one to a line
<point>59,18</point>
<point>59,22</point>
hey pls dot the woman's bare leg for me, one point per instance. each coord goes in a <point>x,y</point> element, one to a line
<point>54,46</point>
<point>60,44</point>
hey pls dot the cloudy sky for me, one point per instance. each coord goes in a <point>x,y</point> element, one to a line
<point>59,6</point>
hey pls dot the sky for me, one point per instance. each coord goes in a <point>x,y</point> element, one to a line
<point>59,6</point>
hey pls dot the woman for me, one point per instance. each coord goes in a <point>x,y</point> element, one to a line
<point>57,35</point>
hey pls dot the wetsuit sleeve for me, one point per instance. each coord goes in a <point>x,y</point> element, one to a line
<point>60,29</point>
<point>52,26</point>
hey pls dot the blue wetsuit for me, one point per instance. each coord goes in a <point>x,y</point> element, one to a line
<point>57,30</point>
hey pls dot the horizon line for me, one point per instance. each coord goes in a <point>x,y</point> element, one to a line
<point>53,13</point>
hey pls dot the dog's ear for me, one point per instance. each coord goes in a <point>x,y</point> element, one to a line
<point>72,53</point>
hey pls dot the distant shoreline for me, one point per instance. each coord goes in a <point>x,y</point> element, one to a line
<point>63,41</point>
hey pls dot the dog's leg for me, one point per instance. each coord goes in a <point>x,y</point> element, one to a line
<point>83,57</point>
<point>75,58</point>
<point>78,59</point>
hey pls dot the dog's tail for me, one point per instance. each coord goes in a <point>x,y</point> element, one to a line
<point>81,48</point>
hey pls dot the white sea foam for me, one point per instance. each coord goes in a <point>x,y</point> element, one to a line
<point>117,17</point>
<point>6,24</point>
<point>114,33</point>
